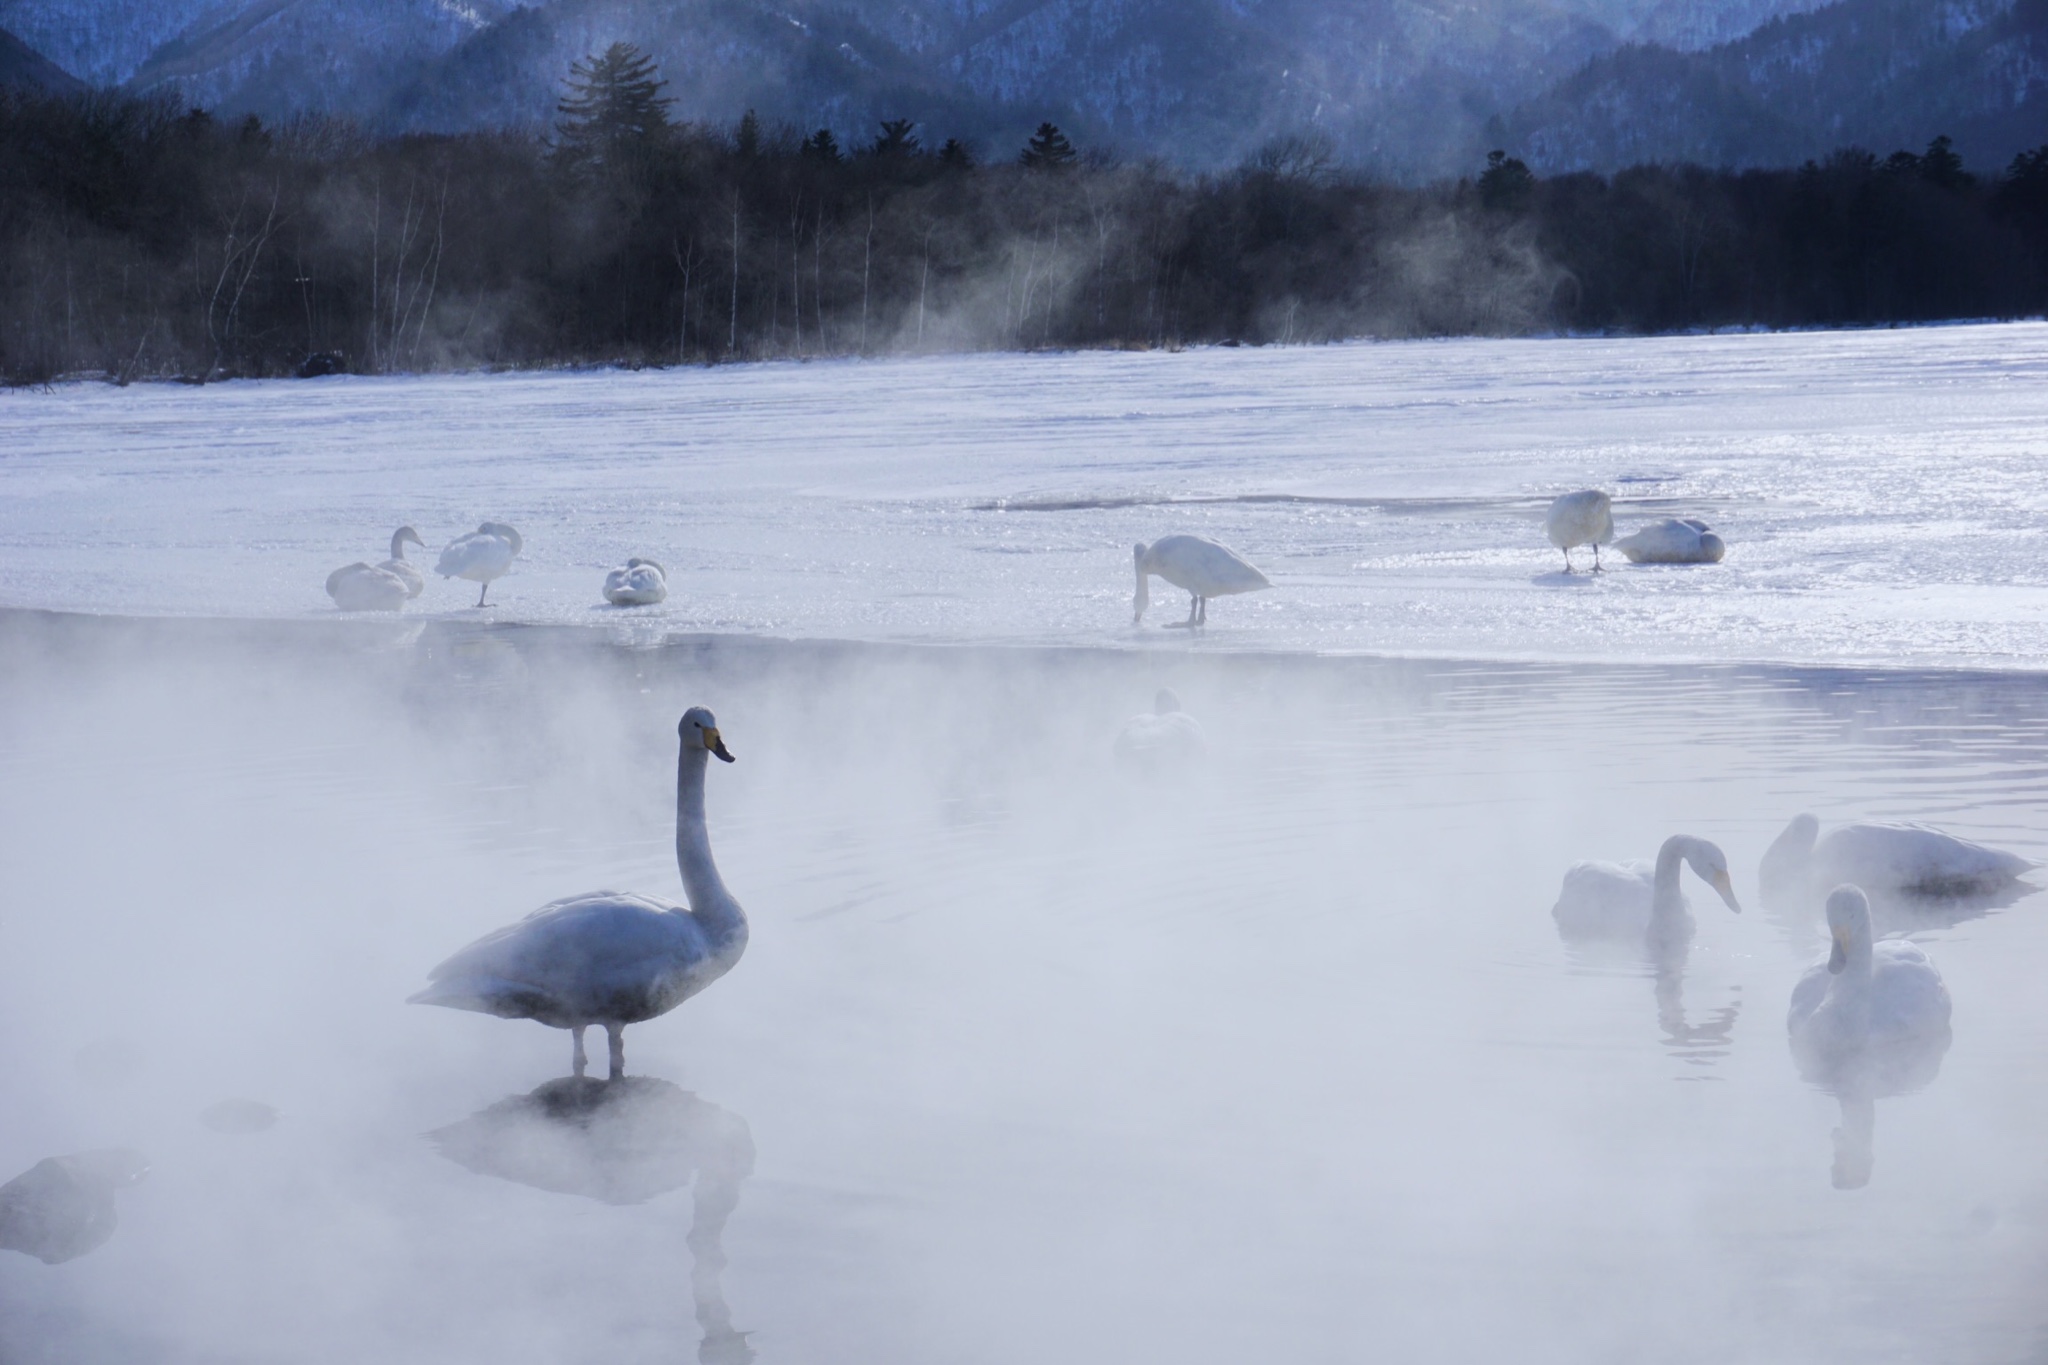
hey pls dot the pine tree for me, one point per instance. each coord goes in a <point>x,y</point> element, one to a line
<point>1048,149</point>
<point>896,139</point>
<point>1941,166</point>
<point>1507,184</point>
<point>956,155</point>
<point>820,146</point>
<point>746,139</point>
<point>613,102</point>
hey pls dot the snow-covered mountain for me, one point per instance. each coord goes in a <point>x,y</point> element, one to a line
<point>1882,74</point>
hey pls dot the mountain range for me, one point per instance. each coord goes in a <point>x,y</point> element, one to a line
<point>1406,88</point>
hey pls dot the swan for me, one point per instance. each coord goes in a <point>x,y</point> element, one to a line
<point>641,583</point>
<point>1582,518</point>
<point>482,555</point>
<point>1636,903</point>
<point>1201,568</point>
<point>1673,541</point>
<point>610,957</point>
<point>1868,1004</point>
<point>1912,859</point>
<point>415,583</point>
<point>1164,739</point>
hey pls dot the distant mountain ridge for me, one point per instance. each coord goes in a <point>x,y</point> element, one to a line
<point>1407,88</point>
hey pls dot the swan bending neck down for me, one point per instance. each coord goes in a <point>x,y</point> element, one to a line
<point>1636,903</point>
<point>1199,567</point>
<point>608,957</point>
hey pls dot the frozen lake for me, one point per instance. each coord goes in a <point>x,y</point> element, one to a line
<point>1027,1060</point>
<point>1881,493</point>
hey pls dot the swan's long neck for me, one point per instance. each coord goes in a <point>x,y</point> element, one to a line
<point>711,905</point>
<point>397,545</point>
<point>1665,901</point>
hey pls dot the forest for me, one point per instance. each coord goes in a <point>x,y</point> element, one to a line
<point>142,240</point>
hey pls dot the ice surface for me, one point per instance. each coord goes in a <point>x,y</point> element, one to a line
<point>1880,492</point>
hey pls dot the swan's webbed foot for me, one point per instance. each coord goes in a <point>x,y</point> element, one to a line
<point>579,1060</point>
<point>615,1034</point>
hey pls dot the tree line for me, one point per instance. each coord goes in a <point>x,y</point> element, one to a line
<point>139,239</point>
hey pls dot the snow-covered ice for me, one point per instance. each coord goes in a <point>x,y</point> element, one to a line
<point>1881,493</point>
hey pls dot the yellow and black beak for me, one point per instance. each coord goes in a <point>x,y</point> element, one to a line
<point>1721,884</point>
<point>715,744</point>
<point>1838,956</point>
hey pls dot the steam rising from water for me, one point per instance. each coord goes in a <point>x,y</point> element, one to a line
<point>1035,1062</point>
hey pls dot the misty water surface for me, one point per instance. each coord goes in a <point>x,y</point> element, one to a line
<point>1029,1060</point>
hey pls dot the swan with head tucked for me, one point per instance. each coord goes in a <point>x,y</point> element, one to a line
<point>379,587</point>
<point>611,957</point>
<point>1199,567</point>
<point>484,554</point>
<point>638,583</point>
<point>1673,541</point>
<point>1909,859</point>
<point>1636,902</point>
<point>1582,518</point>
<point>1163,741</point>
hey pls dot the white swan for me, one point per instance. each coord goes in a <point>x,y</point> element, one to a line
<point>1912,859</point>
<point>415,583</point>
<point>482,555</point>
<point>1673,541</point>
<point>640,583</point>
<point>378,587</point>
<point>1866,1000</point>
<point>1166,739</point>
<point>1582,518</point>
<point>1198,567</point>
<point>1638,903</point>
<point>609,957</point>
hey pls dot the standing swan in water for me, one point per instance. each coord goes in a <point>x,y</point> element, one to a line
<point>611,957</point>
<point>379,587</point>
<point>1582,518</point>
<point>1198,567</point>
<point>482,555</point>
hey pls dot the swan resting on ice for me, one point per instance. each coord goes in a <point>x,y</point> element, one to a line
<point>1165,739</point>
<point>1199,567</point>
<point>611,957</point>
<point>482,555</point>
<point>379,587</point>
<point>1638,903</point>
<point>640,583</point>
<point>1582,518</point>
<point>1673,541</point>
<point>1909,859</point>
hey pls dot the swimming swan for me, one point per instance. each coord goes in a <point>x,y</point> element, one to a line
<point>1200,568</point>
<point>482,555</point>
<point>379,587</point>
<point>1165,739</point>
<point>610,957</point>
<point>641,583</point>
<point>1673,541</point>
<point>1912,859</point>
<point>1582,518</point>
<point>1866,1000</point>
<point>1636,903</point>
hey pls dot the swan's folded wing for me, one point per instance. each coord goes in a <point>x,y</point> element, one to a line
<point>573,950</point>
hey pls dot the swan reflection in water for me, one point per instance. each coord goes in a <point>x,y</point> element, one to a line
<point>1870,1021</point>
<point>63,1206</point>
<point>1608,913</point>
<point>623,1142</point>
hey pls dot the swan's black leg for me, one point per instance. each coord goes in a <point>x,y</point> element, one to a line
<point>1205,613</point>
<point>481,591</point>
<point>615,1034</point>
<point>1193,602</point>
<point>1596,556</point>
<point>1567,559</point>
<point>577,1057</point>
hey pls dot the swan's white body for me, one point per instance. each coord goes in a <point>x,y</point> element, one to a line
<point>378,587</point>
<point>1199,567</point>
<point>1582,518</point>
<point>639,583</point>
<point>1866,998</point>
<point>1166,739</point>
<point>1637,902</point>
<point>481,556</point>
<point>1673,541</point>
<point>1912,859</point>
<point>610,957</point>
